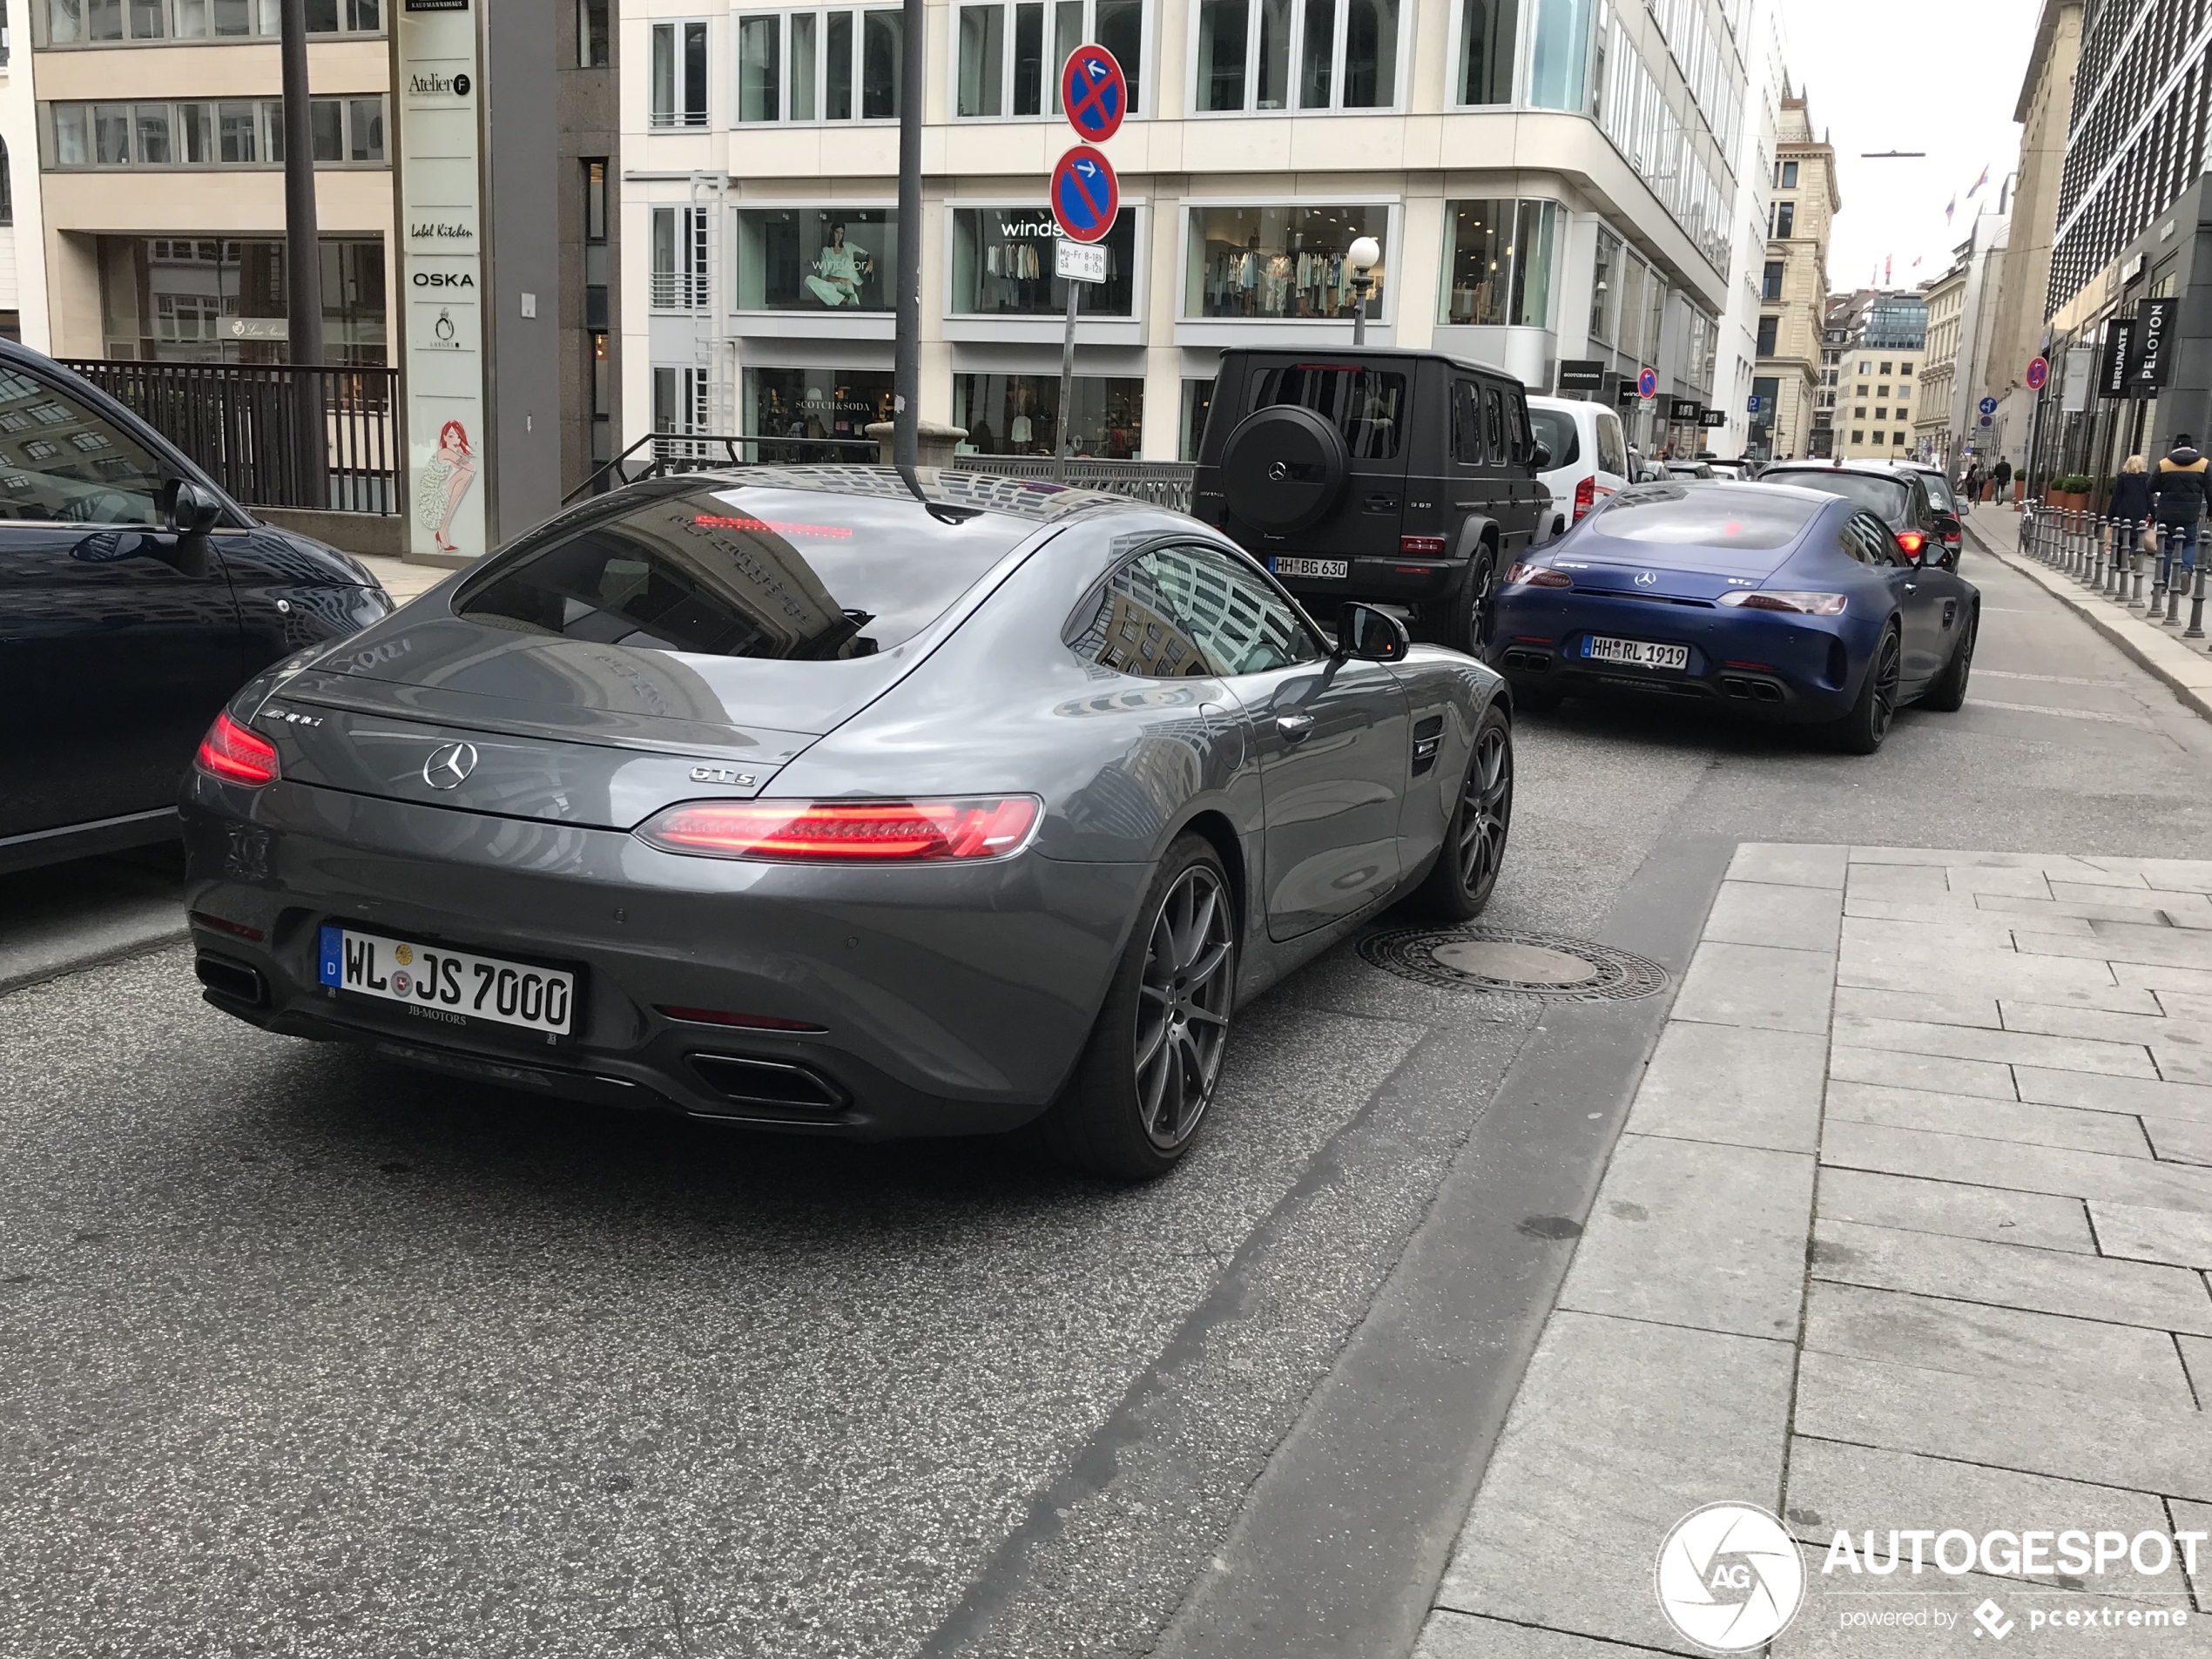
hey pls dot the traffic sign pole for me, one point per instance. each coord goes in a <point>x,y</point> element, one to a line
<point>1085,198</point>
<point>1067,443</point>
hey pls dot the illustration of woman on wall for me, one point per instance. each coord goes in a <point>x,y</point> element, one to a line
<point>445,480</point>
<point>839,269</point>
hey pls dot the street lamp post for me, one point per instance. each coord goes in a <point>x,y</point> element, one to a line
<point>1363,256</point>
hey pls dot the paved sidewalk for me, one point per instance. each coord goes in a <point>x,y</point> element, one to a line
<point>1908,1228</point>
<point>402,580</point>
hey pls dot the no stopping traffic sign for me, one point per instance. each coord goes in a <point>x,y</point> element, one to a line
<point>1085,195</point>
<point>1094,93</point>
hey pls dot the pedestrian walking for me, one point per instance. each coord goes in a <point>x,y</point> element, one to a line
<point>1970,487</point>
<point>2002,476</point>
<point>2177,498</point>
<point>2129,508</point>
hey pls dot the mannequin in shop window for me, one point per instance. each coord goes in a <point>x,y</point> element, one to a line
<point>839,269</point>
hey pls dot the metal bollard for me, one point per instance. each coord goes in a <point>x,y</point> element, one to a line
<point>2196,630</point>
<point>2100,554</point>
<point>2177,579</point>
<point>2157,574</point>
<point>2135,557</point>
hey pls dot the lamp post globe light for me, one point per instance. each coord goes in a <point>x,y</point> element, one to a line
<point>1363,256</point>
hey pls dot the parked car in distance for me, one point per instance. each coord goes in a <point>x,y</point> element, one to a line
<point>1792,604</point>
<point>1644,470</point>
<point>1738,469</point>
<point>1404,478</point>
<point>1945,496</point>
<point>1589,457</point>
<point>1686,469</point>
<point>1897,494</point>
<point>776,796</point>
<point>135,598</point>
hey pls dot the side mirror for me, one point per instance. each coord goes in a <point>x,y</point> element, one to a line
<point>193,509</point>
<point>1366,635</point>
<point>1541,457</point>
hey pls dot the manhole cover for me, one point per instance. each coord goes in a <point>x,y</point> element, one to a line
<point>1475,960</point>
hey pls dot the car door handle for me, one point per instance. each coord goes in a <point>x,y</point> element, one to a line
<point>1295,728</point>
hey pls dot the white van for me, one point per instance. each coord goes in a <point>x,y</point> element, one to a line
<point>1590,458</point>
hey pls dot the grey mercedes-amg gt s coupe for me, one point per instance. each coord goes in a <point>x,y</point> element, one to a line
<point>782,796</point>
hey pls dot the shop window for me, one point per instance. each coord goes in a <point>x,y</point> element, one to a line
<point>230,134</point>
<point>679,75</point>
<point>680,258</point>
<point>1003,266</point>
<point>1486,51</point>
<point>165,298</point>
<point>817,259</point>
<point>1498,262</point>
<point>593,37</point>
<point>1279,262</point>
<point>1605,282</point>
<point>1198,402</point>
<point>1559,51</point>
<point>814,403</point>
<point>805,65</point>
<point>1019,415</point>
<point>1347,53</point>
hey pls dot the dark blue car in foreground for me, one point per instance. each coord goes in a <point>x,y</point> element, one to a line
<point>1792,604</point>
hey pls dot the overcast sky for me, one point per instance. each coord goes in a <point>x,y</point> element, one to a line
<point>1940,75</point>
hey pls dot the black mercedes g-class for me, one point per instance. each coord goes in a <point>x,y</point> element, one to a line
<point>1396,477</point>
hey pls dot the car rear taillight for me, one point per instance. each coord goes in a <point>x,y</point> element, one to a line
<point>1912,542</point>
<point>1808,604</point>
<point>1537,576</point>
<point>1421,547</point>
<point>235,755</point>
<point>847,831</point>
<point>1585,496</point>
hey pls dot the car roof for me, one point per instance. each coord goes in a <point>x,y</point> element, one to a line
<point>1039,500</point>
<point>1864,468</point>
<point>1333,354</point>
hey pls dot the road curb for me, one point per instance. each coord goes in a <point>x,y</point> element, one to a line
<point>2188,674</point>
<point>22,981</point>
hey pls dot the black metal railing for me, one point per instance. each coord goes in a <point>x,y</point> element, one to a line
<point>2147,568</point>
<point>272,434</point>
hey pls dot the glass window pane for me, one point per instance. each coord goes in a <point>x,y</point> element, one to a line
<point>1532,264</point>
<point>1121,31</point>
<point>759,67</point>
<point>1605,280</point>
<point>72,145</point>
<point>1368,406</point>
<point>236,138</point>
<point>1477,262</point>
<point>1271,87</point>
<point>800,99</point>
<point>149,19</point>
<point>365,134</point>
<point>195,138</point>
<point>1371,55</point>
<point>152,135</point>
<point>1067,35</point>
<point>272,129</point>
<point>322,16</point>
<point>837,78</point>
<point>814,403</point>
<point>102,19</point>
<point>1003,266</point>
<point>1221,54</point>
<point>1559,54</point>
<point>1028,59</point>
<point>1279,262</point>
<point>1012,415</point>
<point>111,134</point>
<point>816,259</point>
<point>982,58</point>
<point>695,74</point>
<point>1486,51</point>
<point>234,16</point>
<point>881,31</point>
<point>663,72</point>
<point>1318,58</point>
<point>1198,402</point>
<point>65,22</point>
<point>78,467</point>
<point>326,125</point>
<point>1217,606</point>
<point>592,41</point>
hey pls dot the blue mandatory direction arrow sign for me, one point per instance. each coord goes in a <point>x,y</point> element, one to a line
<point>1989,406</point>
<point>1085,195</point>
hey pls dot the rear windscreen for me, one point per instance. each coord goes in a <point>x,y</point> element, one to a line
<point>1555,431</point>
<point>1367,405</point>
<point>1709,516</point>
<point>1939,491</point>
<point>748,572</point>
<point>1887,498</point>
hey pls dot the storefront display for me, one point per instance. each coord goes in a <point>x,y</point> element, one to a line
<point>1003,266</point>
<point>1019,415</point>
<point>816,259</point>
<point>165,299</point>
<point>814,403</point>
<point>1197,399</point>
<point>1279,262</point>
<point>1498,262</point>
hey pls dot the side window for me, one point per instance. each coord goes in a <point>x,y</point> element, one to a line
<point>1494,424</point>
<point>1874,537</point>
<point>1467,424</point>
<point>1612,451</point>
<point>1241,621</point>
<point>1517,422</point>
<point>62,460</point>
<point>1131,625</point>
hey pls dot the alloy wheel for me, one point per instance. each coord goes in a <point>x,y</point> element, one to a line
<point>1485,810</point>
<point>1888,668</point>
<point>1184,1007</point>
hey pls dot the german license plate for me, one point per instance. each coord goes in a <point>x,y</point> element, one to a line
<point>450,986</point>
<point>1335,568</point>
<point>1637,653</point>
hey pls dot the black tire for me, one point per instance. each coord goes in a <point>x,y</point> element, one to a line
<point>1862,731</point>
<point>1947,695</point>
<point>1465,623</point>
<point>1475,837</point>
<point>1162,1030</point>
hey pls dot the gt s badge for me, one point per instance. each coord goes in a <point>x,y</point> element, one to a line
<point>720,775</point>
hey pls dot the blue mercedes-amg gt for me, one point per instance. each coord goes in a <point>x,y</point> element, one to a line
<point>1794,604</point>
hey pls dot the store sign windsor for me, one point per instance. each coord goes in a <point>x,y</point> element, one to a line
<point>1086,198</point>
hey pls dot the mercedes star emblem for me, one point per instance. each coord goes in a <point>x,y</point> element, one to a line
<point>1646,579</point>
<point>449,765</point>
<point>1278,471</point>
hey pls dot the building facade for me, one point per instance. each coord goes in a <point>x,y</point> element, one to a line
<point>1794,288</point>
<point>1549,180</point>
<point>1736,362</point>
<point>1879,393</point>
<point>1934,436</point>
<point>22,269</point>
<point>590,165</point>
<point>1975,432</point>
